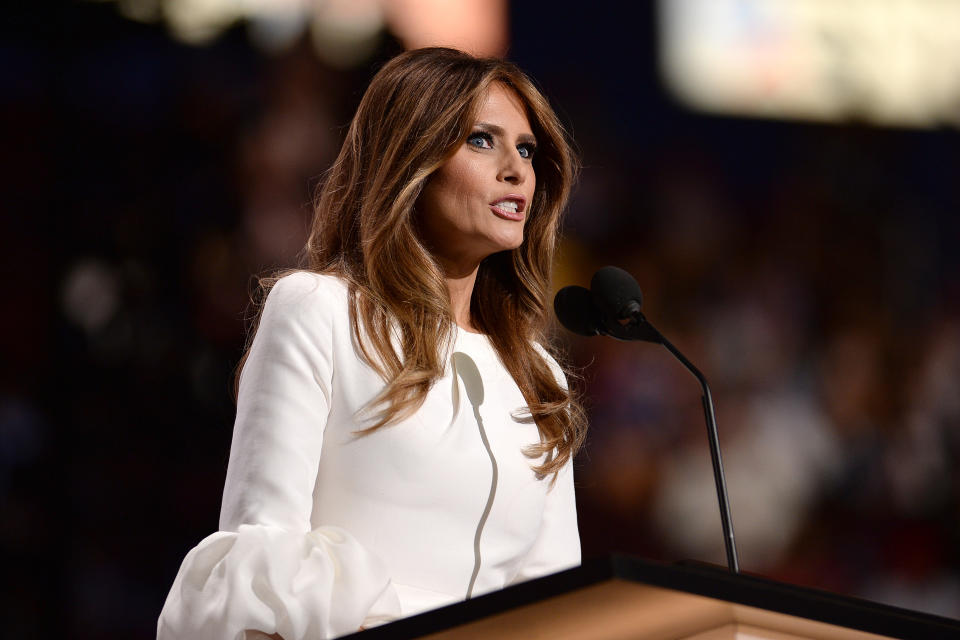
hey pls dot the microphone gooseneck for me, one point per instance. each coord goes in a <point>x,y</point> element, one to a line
<point>612,307</point>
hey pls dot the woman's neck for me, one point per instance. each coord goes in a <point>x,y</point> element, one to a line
<point>460,284</point>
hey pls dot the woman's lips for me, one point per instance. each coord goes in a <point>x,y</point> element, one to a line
<point>506,214</point>
<point>510,207</point>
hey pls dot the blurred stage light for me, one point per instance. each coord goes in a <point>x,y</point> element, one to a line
<point>140,10</point>
<point>345,33</point>
<point>90,295</point>
<point>889,62</point>
<point>200,21</point>
<point>475,26</point>
<point>276,24</point>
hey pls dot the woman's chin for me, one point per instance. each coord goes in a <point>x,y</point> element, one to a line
<point>509,244</point>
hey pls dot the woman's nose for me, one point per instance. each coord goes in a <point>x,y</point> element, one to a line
<point>512,169</point>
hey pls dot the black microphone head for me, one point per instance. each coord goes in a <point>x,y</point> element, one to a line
<point>576,311</point>
<point>613,291</point>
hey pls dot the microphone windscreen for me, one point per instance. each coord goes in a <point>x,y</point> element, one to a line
<point>575,310</point>
<point>613,289</point>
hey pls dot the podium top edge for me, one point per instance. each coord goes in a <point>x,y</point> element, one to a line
<point>756,591</point>
<point>686,577</point>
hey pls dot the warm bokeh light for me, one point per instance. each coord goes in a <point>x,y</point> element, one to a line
<point>344,32</point>
<point>476,26</point>
<point>200,21</point>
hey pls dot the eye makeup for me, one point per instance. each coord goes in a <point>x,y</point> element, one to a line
<point>484,134</point>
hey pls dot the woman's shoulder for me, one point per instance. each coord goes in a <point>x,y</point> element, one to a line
<point>308,291</point>
<point>544,352</point>
<point>551,361</point>
<point>305,284</point>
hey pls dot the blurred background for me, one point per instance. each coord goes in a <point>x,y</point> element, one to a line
<point>781,178</point>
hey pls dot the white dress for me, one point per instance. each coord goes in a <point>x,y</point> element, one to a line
<point>322,531</point>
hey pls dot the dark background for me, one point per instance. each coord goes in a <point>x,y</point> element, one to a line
<point>810,270</point>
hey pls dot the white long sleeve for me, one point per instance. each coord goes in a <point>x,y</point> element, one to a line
<point>263,578</point>
<point>322,530</point>
<point>283,406</point>
<point>267,569</point>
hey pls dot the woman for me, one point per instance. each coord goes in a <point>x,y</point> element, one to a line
<point>402,440</point>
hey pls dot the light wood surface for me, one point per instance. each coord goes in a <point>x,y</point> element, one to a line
<point>622,610</point>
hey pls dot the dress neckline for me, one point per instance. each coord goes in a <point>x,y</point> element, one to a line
<point>469,335</point>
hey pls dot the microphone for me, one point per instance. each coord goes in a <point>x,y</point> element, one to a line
<point>616,293</point>
<point>614,298</point>
<point>612,307</point>
<point>576,311</point>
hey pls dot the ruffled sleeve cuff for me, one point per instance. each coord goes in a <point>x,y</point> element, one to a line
<point>319,584</point>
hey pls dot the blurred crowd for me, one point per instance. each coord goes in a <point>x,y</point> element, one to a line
<point>810,271</point>
<point>825,314</point>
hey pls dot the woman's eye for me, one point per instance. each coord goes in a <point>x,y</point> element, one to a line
<point>526,150</point>
<point>480,140</point>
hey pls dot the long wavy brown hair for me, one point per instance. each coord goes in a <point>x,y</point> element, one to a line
<point>418,110</point>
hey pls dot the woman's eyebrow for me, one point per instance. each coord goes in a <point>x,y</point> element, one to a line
<point>498,131</point>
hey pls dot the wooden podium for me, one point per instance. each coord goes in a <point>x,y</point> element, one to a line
<point>624,598</point>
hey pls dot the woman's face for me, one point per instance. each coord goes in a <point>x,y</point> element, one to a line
<point>476,204</point>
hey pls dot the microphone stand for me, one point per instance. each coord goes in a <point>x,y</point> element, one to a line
<point>639,328</point>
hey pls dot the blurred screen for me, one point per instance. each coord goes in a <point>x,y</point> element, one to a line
<point>889,62</point>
